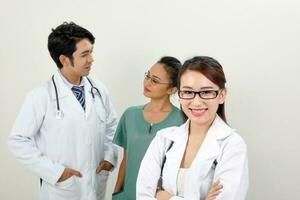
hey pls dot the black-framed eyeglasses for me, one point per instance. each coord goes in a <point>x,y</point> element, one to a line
<point>153,80</point>
<point>204,94</point>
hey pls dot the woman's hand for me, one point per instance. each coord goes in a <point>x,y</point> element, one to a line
<point>163,195</point>
<point>214,191</point>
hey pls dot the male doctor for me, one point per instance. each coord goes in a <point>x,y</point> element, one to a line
<point>65,128</point>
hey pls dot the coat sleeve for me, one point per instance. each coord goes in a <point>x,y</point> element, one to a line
<point>22,139</point>
<point>149,171</point>
<point>110,152</point>
<point>232,170</point>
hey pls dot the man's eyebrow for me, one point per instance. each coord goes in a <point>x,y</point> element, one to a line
<point>87,51</point>
<point>84,52</point>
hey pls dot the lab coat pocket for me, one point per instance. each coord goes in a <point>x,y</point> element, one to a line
<point>66,183</point>
<point>67,189</point>
<point>101,180</point>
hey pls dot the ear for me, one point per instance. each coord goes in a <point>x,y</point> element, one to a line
<point>64,60</point>
<point>222,96</point>
<point>172,90</point>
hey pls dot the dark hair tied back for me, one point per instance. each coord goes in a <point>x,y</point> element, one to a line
<point>172,66</point>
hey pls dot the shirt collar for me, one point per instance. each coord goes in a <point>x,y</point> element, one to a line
<point>67,83</point>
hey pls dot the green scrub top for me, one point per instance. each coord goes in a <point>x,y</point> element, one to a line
<point>135,134</point>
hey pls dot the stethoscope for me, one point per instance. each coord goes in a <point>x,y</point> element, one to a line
<point>59,113</point>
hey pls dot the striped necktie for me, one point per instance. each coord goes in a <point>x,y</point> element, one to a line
<point>79,94</point>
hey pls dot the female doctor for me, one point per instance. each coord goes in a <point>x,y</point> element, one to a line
<point>65,128</point>
<point>201,152</point>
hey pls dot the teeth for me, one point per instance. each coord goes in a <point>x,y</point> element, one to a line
<point>198,111</point>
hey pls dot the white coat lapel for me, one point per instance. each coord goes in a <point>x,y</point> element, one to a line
<point>93,103</point>
<point>61,90</point>
<point>207,154</point>
<point>88,97</point>
<point>210,147</point>
<point>175,155</point>
<point>65,95</point>
<point>201,165</point>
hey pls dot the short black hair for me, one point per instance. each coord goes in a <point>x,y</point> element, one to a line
<point>63,39</point>
<point>172,66</point>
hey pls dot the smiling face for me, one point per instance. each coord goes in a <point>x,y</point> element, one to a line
<point>201,112</point>
<point>82,60</point>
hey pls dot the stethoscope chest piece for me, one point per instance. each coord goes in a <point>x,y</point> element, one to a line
<point>59,114</point>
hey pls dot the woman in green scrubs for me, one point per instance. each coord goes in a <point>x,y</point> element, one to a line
<point>139,124</point>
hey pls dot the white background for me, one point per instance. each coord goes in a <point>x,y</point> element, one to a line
<point>256,41</point>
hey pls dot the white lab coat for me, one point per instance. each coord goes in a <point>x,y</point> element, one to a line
<point>221,143</point>
<point>46,145</point>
